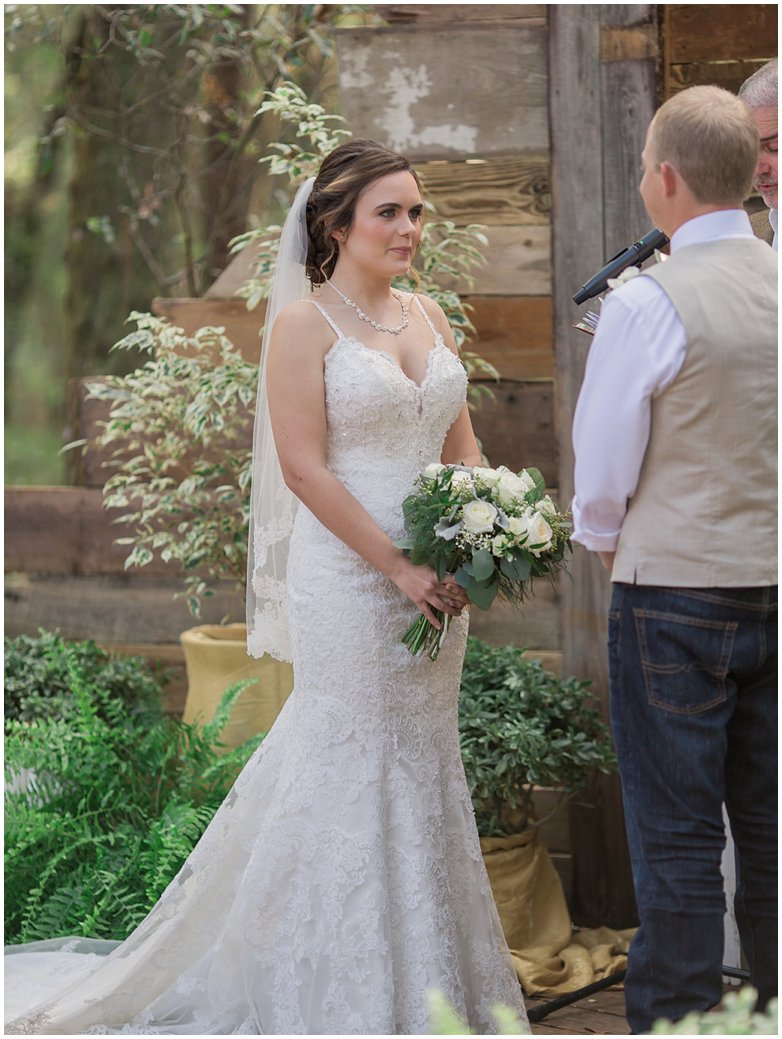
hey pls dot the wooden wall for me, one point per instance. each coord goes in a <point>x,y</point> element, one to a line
<point>719,44</point>
<point>462,90</point>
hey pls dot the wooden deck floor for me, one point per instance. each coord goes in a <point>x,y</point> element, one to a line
<point>600,1014</point>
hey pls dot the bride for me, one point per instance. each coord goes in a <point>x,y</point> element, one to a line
<point>342,879</point>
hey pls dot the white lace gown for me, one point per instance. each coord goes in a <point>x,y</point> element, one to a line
<point>342,877</point>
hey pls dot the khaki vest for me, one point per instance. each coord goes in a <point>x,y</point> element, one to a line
<point>704,514</point>
<point>761,226</point>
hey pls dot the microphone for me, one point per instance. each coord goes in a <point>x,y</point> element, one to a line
<point>633,255</point>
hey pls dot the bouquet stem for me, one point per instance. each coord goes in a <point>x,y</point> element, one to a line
<point>422,635</point>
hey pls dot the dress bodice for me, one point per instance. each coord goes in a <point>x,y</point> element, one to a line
<point>383,427</point>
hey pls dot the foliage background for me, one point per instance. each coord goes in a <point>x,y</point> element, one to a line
<point>132,140</point>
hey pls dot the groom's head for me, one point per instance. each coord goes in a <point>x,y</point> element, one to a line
<point>700,156</point>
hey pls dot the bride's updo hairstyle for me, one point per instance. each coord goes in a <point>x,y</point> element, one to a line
<point>344,174</point>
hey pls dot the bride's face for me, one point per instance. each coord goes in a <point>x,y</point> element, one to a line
<point>386,227</point>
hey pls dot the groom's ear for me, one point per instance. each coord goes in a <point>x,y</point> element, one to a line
<point>671,178</point>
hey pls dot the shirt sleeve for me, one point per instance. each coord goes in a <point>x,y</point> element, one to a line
<point>637,351</point>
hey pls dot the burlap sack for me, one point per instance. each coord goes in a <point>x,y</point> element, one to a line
<point>216,658</point>
<point>549,956</point>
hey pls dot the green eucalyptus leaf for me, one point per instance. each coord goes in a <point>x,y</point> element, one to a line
<point>482,565</point>
<point>482,594</point>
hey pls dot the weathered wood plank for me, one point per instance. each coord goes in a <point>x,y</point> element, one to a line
<point>628,90</point>
<point>489,191</point>
<point>726,74</point>
<point>518,263</point>
<point>577,188</point>
<point>514,330</point>
<point>242,326</point>
<point>115,608</point>
<point>628,102</point>
<point>486,191</point>
<point>514,333</point>
<point>599,115</point>
<point>720,32</point>
<point>517,427</point>
<point>448,14</point>
<point>63,530</point>
<point>486,98</point>
<point>582,1019</point>
<point>589,1020</point>
<point>627,43</point>
<point>135,609</point>
<point>535,626</point>
<point>609,1003</point>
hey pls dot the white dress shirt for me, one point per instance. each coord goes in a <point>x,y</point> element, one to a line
<point>637,352</point>
<point>773,219</point>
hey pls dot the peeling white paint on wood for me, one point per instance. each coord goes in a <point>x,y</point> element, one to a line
<point>404,90</point>
<point>455,93</point>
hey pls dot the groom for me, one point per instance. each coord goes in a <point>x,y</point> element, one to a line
<point>675,481</point>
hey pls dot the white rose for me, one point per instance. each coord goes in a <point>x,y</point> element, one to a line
<point>498,544</point>
<point>433,469</point>
<point>486,477</point>
<point>546,506</point>
<point>518,526</point>
<point>513,487</point>
<point>540,533</point>
<point>478,516</point>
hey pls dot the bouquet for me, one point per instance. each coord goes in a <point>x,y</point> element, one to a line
<point>493,529</point>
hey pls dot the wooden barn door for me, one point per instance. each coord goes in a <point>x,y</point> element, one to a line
<point>602,97</point>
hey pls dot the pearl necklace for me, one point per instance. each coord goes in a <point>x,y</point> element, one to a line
<point>364,317</point>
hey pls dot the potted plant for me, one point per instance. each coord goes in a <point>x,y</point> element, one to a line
<point>522,728</point>
<point>178,435</point>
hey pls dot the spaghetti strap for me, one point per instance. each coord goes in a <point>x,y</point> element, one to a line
<point>326,316</point>
<point>427,319</point>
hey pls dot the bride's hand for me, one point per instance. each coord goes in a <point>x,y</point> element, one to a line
<point>421,585</point>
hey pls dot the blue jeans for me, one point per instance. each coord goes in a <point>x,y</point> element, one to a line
<point>694,715</point>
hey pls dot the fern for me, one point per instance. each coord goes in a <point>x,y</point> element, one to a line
<point>118,800</point>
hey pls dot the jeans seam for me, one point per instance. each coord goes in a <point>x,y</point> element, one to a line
<point>683,618</point>
<point>702,595</point>
<point>762,643</point>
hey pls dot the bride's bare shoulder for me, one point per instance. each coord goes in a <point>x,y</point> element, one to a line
<point>303,321</point>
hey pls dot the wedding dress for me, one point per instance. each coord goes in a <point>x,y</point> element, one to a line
<point>342,878</point>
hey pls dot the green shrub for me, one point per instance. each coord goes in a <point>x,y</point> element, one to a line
<point>521,727</point>
<point>116,803</point>
<point>37,680</point>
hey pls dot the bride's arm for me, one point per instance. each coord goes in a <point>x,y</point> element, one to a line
<point>297,408</point>
<point>460,447</point>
